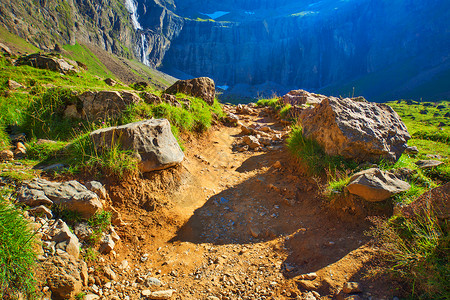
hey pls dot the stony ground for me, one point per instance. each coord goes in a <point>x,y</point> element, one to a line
<point>234,223</point>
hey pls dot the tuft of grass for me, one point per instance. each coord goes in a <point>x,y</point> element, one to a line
<point>90,254</point>
<point>100,222</point>
<point>311,153</point>
<point>416,251</point>
<point>45,116</point>
<point>275,103</point>
<point>17,256</point>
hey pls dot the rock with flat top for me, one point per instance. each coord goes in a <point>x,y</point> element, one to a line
<point>159,295</point>
<point>202,87</point>
<point>70,195</point>
<point>428,164</point>
<point>103,104</point>
<point>40,210</point>
<point>361,131</point>
<point>376,185</point>
<point>42,61</point>
<point>151,142</point>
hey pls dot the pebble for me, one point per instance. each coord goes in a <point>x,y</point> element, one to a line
<point>352,287</point>
<point>152,281</point>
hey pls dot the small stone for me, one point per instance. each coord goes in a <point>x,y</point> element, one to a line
<point>353,297</point>
<point>254,232</point>
<point>309,276</point>
<point>152,281</point>
<point>110,273</point>
<point>91,297</point>
<point>411,150</point>
<point>276,165</point>
<point>161,295</point>
<point>316,294</point>
<point>107,244</point>
<point>352,287</point>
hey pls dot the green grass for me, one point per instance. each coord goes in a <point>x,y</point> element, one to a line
<point>100,222</point>
<point>17,256</point>
<point>416,251</point>
<point>312,154</point>
<point>17,41</point>
<point>81,53</point>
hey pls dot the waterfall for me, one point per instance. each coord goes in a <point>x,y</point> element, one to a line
<point>131,6</point>
<point>144,49</point>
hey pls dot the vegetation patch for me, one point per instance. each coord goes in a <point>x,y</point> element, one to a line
<point>416,251</point>
<point>17,255</point>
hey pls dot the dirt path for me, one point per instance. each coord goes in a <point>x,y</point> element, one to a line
<point>237,225</point>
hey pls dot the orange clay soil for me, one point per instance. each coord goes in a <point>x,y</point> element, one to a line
<point>236,225</point>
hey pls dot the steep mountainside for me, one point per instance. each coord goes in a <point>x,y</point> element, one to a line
<point>317,44</point>
<point>380,49</point>
<point>112,25</point>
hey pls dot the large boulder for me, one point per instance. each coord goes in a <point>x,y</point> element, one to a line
<point>202,87</point>
<point>361,131</point>
<point>41,61</point>
<point>376,185</point>
<point>71,195</point>
<point>101,105</point>
<point>151,141</point>
<point>436,200</point>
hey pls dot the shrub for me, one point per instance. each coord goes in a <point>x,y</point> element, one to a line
<point>17,257</point>
<point>100,222</point>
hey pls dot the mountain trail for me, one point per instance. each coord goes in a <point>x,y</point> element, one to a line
<point>237,225</point>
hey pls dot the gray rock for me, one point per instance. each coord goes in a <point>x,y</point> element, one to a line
<point>70,194</point>
<point>436,200</point>
<point>356,130</point>
<point>13,85</point>
<point>32,197</point>
<point>83,231</point>
<point>41,61</point>
<point>428,164</point>
<point>376,185</point>
<point>60,233</point>
<point>150,98</point>
<point>104,104</point>
<point>411,150</point>
<point>5,49</point>
<point>107,244</point>
<point>110,81</point>
<point>251,141</point>
<point>202,87</point>
<point>40,210</point>
<point>151,141</point>
<point>110,274</point>
<point>299,97</point>
<point>152,281</point>
<point>158,295</point>
<point>98,188</point>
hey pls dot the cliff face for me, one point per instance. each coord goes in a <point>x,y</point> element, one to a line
<point>316,45</point>
<point>113,25</point>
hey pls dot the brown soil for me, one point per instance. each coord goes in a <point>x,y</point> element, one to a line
<point>232,225</point>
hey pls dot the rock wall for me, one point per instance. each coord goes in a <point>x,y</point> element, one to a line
<point>316,45</point>
<point>108,24</point>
